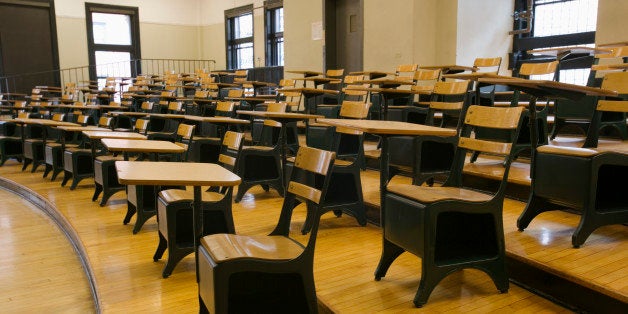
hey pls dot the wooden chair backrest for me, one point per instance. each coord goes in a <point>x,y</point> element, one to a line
<point>201,94</point>
<point>504,118</point>
<point>287,83</point>
<point>23,115</point>
<point>232,141</point>
<point>426,75</point>
<point>313,160</point>
<point>354,109</point>
<point>404,68</point>
<point>147,106</point>
<point>58,117</point>
<point>617,81</point>
<point>335,72</point>
<point>141,125</point>
<point>105,122</point>
<point>449,88</point>
<point>541,68</point>
<point>82,119</point>
<point>276,107</point>
<point>488,63</point>
<point>185,131</point>
<point>225,106</point>
<point>235,92</point>
<point>175,106</point>
<point>20,104</point>
<point>115,104</point>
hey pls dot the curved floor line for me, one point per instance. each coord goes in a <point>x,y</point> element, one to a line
<point>51,211</point>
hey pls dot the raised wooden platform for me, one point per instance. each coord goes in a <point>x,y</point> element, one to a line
<point>346,257</point>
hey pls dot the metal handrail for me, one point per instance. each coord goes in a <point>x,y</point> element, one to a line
<point>82,74</point>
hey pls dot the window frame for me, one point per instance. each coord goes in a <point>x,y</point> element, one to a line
<point>133,49</point>
<point>231,42</point>
<point>525,41</point>
<point>272,38</point>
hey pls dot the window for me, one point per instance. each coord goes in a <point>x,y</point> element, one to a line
<point>274,33</point>
<point>239,33</point>
<point>113,41</point>
<point>557,23</point>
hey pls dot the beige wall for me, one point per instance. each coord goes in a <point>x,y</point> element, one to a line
<point>174,35</point>
<point>406,31</point>
<point>301,52</point>
<point>482,31</point>
<point>388,34</point>
<point>612,24</point>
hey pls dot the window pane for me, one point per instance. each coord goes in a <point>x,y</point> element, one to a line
<point>280,52</point>
<point>113,63</point>
<point>244,56</point>
<point>244,26</point>
<point>278,20</point>
<point>111,29</point>
<point>566,17</point>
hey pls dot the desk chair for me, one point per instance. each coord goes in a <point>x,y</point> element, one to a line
<point>34,147</point>
<point>451,227</point>
<point>141,199</point>
<point>174,211</point>
<point>105,175</point>
<point>426,157</point>
<point>53,151</point>
<point>487,93</point>
<point>580,179</point>
<point>613,81</point>
<point>205,146</point>
<point>523,140</point>
<point>580,112</point>
<point>345,188</point>
<point>11,145</point>
<point>78,162</point>
<point>261,164</point>
<point>240,273</point>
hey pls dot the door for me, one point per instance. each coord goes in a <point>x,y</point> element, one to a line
<point>28,46</point>
<point>344,46</point>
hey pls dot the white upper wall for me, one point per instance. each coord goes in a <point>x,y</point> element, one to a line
<point>482,30</point>
<point>186,12</point>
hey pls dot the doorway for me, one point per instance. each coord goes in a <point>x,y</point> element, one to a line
<point>28,45</point>
<point>344,34</point>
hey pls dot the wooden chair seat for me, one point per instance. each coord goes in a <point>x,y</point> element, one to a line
<point>173,195</point>
<point>425,194</point>
<point>228,247</point>
<point>258,147</point>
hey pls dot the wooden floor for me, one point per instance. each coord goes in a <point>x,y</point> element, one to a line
<point>39,269</point>
<point>346,256</point>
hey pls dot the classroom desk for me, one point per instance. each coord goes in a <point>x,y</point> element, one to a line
<point>310,93</point>
<point>127,146</point>
<point>256,85</point>
<point>318,80</point>
<point>389,94</point>
<point>306,73</point>
<point>386,129</point>
<point>475,76</point>
<point>372,74</point>
<point>450,69</point>
<point>549,90</point>
<point>253,101</point>
<point>94,136</point>
<point>175,174</point>
<point>564,53</point>
<point>284,118</point>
